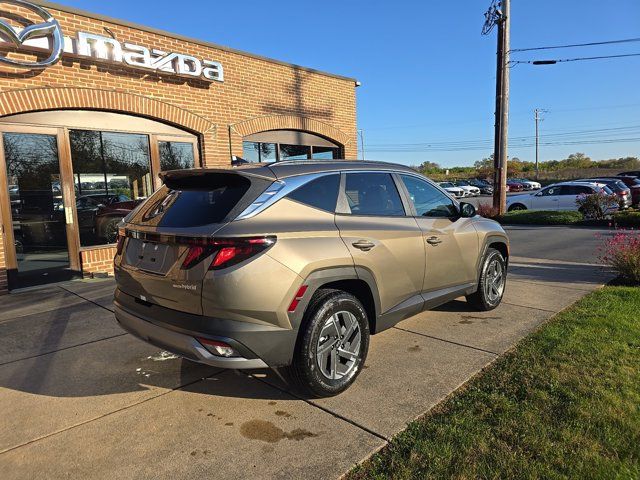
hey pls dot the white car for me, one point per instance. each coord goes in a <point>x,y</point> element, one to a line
<point>559,196</point>
<point>452,189</point>
<point>469,190</point>
<point>532,185</point>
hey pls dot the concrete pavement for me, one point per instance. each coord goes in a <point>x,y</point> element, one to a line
<point>82,399</point>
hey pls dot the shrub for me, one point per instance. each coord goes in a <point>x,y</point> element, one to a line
<point>487,211</point>
<point>622,252</point>
<point>540,217</point>
<point>596,205</point>
<point>627,219</point>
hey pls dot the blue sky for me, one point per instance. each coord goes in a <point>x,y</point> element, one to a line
<point>428,75</point>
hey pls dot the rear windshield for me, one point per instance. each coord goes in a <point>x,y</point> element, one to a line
<point>197,201</point>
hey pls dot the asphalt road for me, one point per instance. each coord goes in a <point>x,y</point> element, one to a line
<point>569,244</point>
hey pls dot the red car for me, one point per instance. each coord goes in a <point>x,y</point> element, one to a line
<point>108,216</point>
<point>514,186</point>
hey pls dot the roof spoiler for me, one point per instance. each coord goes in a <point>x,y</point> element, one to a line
<point>203,176</point>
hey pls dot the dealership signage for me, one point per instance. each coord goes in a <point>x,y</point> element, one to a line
<point>47,36</point>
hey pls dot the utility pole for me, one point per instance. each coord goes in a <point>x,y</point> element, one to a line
<point>361,133</point>
<point>498,14</point>
<point>537,117</point>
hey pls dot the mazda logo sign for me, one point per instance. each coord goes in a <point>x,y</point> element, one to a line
<point>49,28</point>
<point>48,38</point>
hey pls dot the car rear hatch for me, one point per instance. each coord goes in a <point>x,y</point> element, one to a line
<point>166,245</point>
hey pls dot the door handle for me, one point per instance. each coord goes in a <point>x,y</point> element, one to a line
<point>433,241</point>
<point>363,245</point>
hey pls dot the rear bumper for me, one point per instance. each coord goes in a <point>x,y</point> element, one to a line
<point>259,346</point>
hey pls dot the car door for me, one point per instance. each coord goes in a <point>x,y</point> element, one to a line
<point>451,241</point>
<point>546,199</point>
<point>384,241</point>
<point>569,195</point>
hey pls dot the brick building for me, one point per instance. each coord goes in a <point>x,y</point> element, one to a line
<point>92,108</point>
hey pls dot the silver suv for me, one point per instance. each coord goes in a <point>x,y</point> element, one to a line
<point>296,264</point>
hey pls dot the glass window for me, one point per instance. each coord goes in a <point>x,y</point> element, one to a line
<point>551,191</point>
<point>112,176</point>
<point>324,153</point>
<point>373,194</point>
<point>195,205</point>
<point>428,200</point>
<point>294,152</point>
<point>575,190</point>
<point>176,155</point>
<point>320,193</point>
<point>255,152</point>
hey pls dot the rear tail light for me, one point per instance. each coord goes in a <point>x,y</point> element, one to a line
<point>227,251</point>
<point>121,237</point>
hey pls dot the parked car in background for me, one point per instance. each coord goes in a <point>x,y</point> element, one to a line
<point>485,187</point>
<point>469,190</point>
<point>457,192</point>
<point>296,264</point>
<point>618,187</point>
<point>515,186</point>
<point>559,196</point>
<point>528,184</point>
<point>631,173</point>
<point>634,185</point>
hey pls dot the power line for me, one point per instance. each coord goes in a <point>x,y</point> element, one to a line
<point>578,59</point>
<point>590,44</point>
<point>580,133</point>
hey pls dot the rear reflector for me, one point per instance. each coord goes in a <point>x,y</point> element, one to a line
<point>296,300</point>
<point>218,348</point>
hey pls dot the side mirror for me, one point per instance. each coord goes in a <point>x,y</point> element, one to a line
<point>467,210</point>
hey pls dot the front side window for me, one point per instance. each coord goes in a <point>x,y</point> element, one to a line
<point>176,155</point>
<point>373,194</point>
<point>320,193</point>
<point>427,199</point>
<point>550,192</point>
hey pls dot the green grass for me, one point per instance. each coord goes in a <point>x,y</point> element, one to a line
<point>564,404</point>
<point>540,217</point>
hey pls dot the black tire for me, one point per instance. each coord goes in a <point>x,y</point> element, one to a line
<point>305,371</point>
<point>483,298</point>
<point>516,207</point>
<point>111,230</point>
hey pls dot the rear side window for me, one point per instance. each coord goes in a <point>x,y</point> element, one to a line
<point>320,193</point>
<point>194,201</point>
<point>373,194</point>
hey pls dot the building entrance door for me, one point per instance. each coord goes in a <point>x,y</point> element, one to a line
<point>36,216</point>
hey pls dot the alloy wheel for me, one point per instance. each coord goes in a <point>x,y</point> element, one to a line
<point>338,348</point>
<point>494,281</point>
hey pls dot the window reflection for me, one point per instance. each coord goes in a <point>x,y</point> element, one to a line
<point>294,152</point>
<point>324,153</point>
<point>35,194</point>
<point>255,152</point>
<point>176,155</point>
<point>111,176</point>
